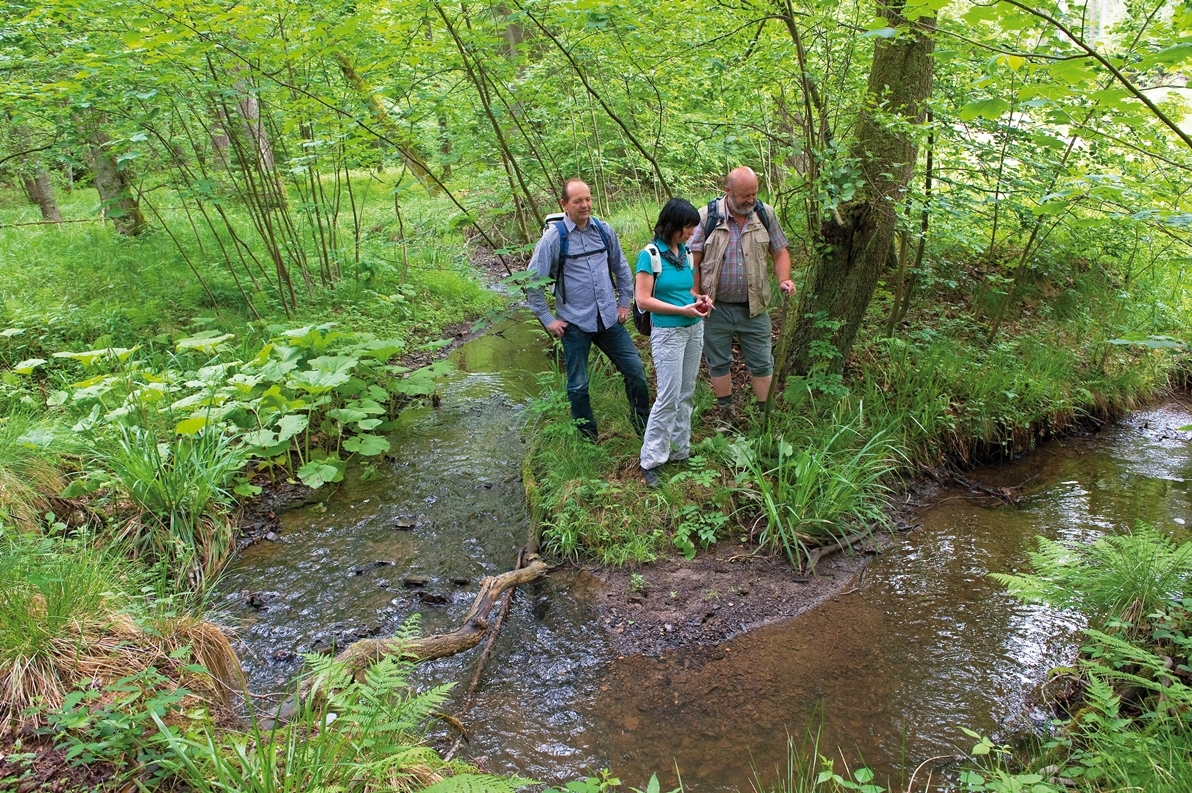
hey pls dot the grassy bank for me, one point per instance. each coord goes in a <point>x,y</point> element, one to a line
<point>938,393</point>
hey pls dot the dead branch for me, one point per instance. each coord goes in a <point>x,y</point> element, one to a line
<point>1002,494</point>
<point>842,544</point>
<point>366,652</point>
<point>359,657</point>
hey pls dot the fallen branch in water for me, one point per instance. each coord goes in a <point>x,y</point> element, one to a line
<point>1002,494</point>
<point>842,544</point>
<point>482,661</point>
<point>360,656</point>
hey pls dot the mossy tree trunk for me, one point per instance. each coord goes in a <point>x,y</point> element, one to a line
<point>856,238</point>
<point>35,179</point>
<point>115,186</point>
<point>40,191</point>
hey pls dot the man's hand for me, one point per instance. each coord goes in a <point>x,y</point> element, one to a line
<point>787,287</point>
<point>622,315</point>
<point>556,328</point>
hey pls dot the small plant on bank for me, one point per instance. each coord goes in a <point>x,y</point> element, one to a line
<point>815,489</point>
<point>349,735</point>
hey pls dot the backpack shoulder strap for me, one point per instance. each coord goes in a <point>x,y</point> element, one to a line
<point>608,246</point>
<point>557,273</point>
<point>713,219</point>
<point>562,230</point>
<point>763,215</point>
<point>655,260</point>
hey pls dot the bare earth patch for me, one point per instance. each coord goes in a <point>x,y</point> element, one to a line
<point>716,596</point>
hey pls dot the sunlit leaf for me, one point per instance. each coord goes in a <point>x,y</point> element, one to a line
<point>191,425</point>
<point>27,367</point>
<point>991,109</point>
<point>205,341</point>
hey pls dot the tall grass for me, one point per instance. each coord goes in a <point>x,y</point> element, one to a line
<point>72,613</point>
<point>815,486</point>
<point>586,501</point>
<point>181,488</point>
<point>30,448</point>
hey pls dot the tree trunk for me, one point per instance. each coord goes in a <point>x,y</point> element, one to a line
<point>115,187</point>
<point>398,137</point>
<point>856,239</point>
<point>41,192</point>
<point>35,179</point>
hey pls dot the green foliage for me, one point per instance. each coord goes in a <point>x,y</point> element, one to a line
<point>48,587</point>
<point>989,769</point>
<point>31,449</point>
<point>1129,726</point>
<point>180,487</point>
<point>818,486</point>
<point>1117,579</point>
<point>350,735</point>
<point>118,724</point>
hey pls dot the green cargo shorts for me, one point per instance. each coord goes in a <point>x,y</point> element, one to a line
<point>753,334</point>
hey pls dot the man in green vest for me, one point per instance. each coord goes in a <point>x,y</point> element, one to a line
<point>731,268</point>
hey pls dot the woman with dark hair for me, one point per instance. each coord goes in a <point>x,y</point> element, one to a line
<point>665,287</point>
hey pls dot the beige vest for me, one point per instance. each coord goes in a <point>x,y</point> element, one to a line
<point>755,244</point>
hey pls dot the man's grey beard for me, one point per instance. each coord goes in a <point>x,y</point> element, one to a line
<point>732,207</point>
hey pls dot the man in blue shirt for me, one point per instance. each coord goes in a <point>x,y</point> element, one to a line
<point>590,308</point>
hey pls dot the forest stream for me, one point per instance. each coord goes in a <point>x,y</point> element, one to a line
<point>920,643</point>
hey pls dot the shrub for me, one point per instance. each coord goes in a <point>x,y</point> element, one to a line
<point>349,735</point>
<point>70,613</point>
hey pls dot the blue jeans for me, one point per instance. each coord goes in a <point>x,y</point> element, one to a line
<point>616,344</point>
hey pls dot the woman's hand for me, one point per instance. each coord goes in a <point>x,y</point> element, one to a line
<point>705,302</point>
<point>696,310</point>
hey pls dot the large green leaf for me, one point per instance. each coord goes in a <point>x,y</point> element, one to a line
<point>318,381</point>
<point>366,444</point>
<point>991,108</point>
<point>290,425</point>
<point>317,473</point>
<point>27,367</point>
<point>207,341</point>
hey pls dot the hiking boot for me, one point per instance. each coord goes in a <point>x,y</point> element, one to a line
<point>650,477</point>
<point>723,417</point>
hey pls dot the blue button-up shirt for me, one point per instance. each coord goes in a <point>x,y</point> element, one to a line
<point>590,293</point>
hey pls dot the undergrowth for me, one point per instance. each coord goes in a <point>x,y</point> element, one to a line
<point>822,467</point>
<point>352,735</point>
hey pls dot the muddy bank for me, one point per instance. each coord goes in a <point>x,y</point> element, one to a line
<point>675,603</point>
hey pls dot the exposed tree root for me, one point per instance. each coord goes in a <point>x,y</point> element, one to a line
<point>843,543</point>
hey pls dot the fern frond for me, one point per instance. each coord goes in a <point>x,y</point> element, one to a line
<point>478,783</point>
<point>1117,576</point>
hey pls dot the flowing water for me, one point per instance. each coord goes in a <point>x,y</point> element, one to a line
<point>920,645</point>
